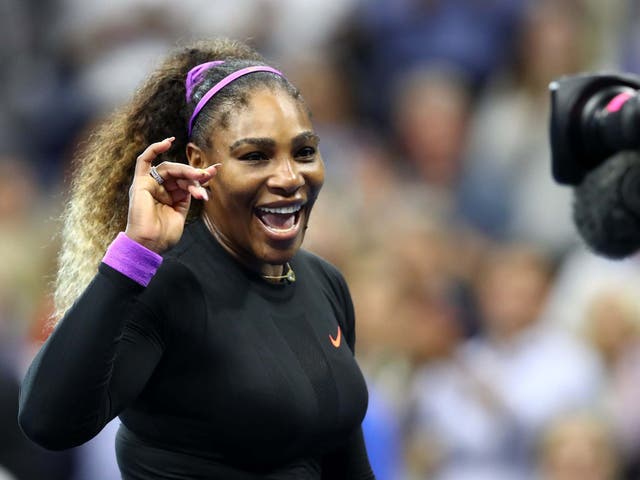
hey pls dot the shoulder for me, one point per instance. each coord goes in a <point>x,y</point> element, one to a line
<point>324,274</point>
<point>175,280</point>
<point>179,261</point>
<point>176,298</point>
<point>184,246</point>
<point>174,284</point>
<point>316,266</point>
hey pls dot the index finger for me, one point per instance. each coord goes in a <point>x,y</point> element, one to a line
<point>146,158</point>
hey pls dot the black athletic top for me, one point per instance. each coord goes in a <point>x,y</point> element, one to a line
<point>214,372</point>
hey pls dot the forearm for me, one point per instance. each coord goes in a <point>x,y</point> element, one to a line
<point>65,398</point>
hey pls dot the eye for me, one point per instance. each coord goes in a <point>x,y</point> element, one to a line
<point>306,153</point>
<point>253,156</point>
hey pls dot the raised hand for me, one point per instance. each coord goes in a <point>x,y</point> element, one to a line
<point>157,212</point>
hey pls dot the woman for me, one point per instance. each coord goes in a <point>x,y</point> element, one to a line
<point>226,351</point>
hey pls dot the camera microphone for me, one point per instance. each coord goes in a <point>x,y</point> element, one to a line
<point>606,208</point>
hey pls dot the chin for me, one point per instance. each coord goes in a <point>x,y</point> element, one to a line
<point>279,255</point>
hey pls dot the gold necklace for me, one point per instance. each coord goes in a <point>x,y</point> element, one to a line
<point>289,276</point>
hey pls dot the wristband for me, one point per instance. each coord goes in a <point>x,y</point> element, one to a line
<point>132,259</point>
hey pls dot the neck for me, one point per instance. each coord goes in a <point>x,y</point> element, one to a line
<point>266,270</point>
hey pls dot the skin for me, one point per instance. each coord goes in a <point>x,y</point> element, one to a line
<point>268,157</point>
<point>157,213</point>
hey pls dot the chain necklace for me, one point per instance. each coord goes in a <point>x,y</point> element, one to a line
<point>289,275</point>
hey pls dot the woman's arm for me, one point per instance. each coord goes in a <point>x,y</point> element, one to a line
<point>103,351</point>
<point>98,358</point>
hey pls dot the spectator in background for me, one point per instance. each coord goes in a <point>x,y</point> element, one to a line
<point>383,436</point>
<point>623,33</point>
<point>17,60</point>
<point>37,112</point>
<point>26,249</point>
<point>431,109</point>
<point>483,406</point>
<point>387,37</point>
<point>110,49</point>
<point>403,288</point>
<point>375,188</point>
<point>612,34</point>
<point>374,283</point>
<point>508,191</point>
<point>401,292</point>
<point>130,35</point>
<point>578,446</point>
<point>612,327</point>
<point>580,277</point>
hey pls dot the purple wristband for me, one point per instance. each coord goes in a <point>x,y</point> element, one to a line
<point>132,259</point>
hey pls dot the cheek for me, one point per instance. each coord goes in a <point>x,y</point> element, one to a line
<point>232,188</point>
<point>315,177</point>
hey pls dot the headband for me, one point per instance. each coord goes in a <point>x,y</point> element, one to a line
<point>195,76</point>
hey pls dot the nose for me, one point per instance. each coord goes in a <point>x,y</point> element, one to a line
<point>286,178</point>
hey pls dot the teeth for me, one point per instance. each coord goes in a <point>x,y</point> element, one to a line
<point>283,210</point>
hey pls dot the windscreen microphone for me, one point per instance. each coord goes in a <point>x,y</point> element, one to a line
<point>606,208</point>
<point>592,118</point>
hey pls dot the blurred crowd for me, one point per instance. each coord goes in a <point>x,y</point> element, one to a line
<point>495,345</point>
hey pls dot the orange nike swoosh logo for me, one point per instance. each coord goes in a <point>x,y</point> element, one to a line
<point>336,341</point>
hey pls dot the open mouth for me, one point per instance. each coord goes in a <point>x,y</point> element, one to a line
<point>280,220</point>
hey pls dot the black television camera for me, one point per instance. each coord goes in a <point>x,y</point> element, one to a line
<point>595,147</point>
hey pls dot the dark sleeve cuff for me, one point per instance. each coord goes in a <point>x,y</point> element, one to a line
<point>132,259</point>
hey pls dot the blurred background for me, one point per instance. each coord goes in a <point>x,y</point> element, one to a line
<point>494,344</point>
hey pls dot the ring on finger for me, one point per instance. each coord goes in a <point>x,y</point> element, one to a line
<point>156,175</point>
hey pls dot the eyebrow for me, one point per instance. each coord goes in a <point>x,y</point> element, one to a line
<point>301,138</point>
<point>305,137</point>
<point>258,142</point>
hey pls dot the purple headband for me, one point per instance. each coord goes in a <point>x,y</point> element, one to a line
<point>195,76</point>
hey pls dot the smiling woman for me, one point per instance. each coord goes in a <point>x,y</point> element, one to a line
<point>271,175</point>
<point>205,327</point>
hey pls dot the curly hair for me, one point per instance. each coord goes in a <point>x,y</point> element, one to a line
<point>104,168</point>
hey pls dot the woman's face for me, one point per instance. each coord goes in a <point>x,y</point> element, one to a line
<point>271,173</point>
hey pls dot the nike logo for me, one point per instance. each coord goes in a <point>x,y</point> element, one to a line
<point>336,341</point>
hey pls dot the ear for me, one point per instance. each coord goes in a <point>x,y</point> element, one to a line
<point>197,158</point>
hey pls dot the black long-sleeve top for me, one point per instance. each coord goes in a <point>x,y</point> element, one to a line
<point>214,372</point>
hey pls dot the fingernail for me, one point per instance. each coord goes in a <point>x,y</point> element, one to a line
<point>170,139</point>
<point>205,195</point>
<point>215,165</point>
